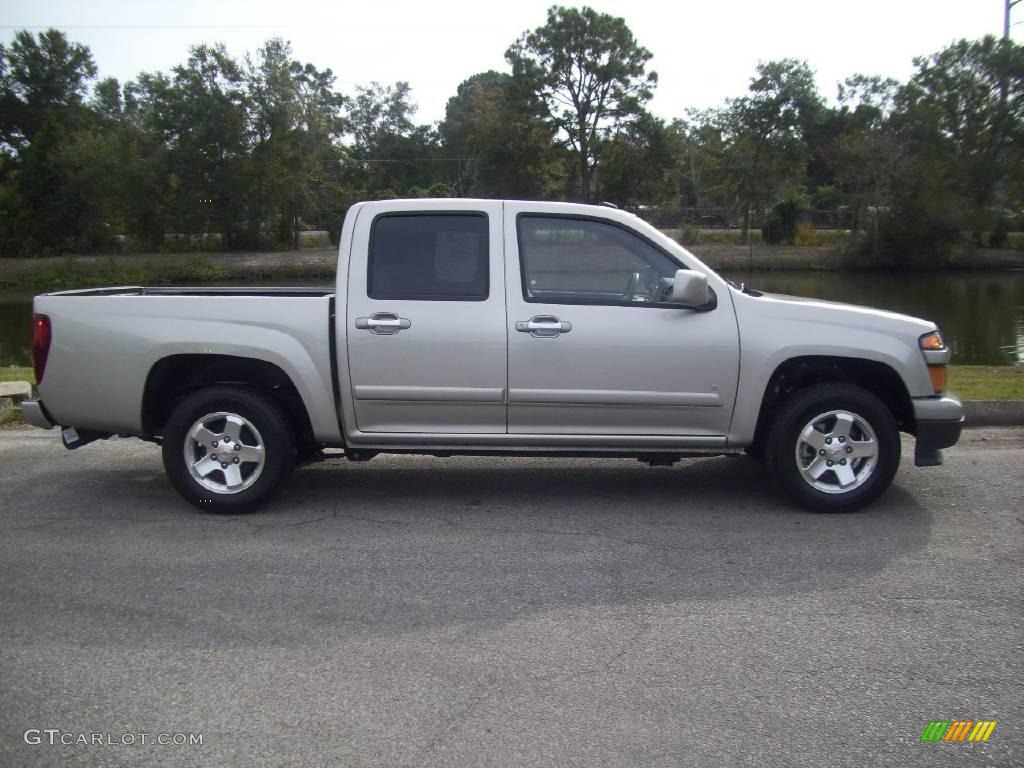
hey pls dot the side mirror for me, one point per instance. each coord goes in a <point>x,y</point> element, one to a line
<point>690,289</point>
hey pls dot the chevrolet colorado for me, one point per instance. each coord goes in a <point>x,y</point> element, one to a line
<point>463,326</point>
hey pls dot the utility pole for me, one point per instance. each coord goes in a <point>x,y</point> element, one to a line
<point>1006,18</point>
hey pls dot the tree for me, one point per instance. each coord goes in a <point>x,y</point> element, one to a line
<point>378,111</point>
<point>501,146</point>
<point>43,84</point>
<point>590,74</point>
<point>107,100</point>
<point>40,77</point>
<point>701,182</point>
<point>295,121</point>
<point>392,153</point>
<point>765,153</point>
<point>640,162</point>
<point>869,154</point>
<point>966,104</point>
<point>200,116</point>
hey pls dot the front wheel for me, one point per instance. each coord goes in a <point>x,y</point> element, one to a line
<point>834,448</point>
<point>228,450</point>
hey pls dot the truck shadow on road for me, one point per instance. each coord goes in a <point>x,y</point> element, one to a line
<point>471,540</point>
<point>405,543</point>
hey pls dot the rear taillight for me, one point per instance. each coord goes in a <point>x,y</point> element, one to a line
<point>42,335</point>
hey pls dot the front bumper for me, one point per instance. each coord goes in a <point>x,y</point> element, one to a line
<point>939,422</point>
<point>35,414</point>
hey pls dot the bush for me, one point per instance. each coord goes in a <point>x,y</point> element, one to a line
<point>333,222</point>
<point>780,226</point>
<point>440,189</point>
<point>999,235</point>
<point>806,235</point>
<point>915,234</point>
<point>688,235</point>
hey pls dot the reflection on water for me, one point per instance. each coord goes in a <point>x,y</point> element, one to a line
<point>980,314</point>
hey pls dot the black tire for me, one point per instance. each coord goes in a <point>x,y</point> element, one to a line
<point>267,428</point>
<point>784,441</point>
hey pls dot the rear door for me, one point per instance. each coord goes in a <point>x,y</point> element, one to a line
<point>426,319</point>
<point>593,347</point>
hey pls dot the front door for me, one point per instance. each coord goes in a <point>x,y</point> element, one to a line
<point>593,347</point>
<point>426,320</point>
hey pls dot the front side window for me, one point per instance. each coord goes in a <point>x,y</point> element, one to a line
<point>567,260</point>
<point>429,257</point>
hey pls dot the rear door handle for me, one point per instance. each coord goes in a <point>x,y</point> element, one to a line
<point>543,326</point>
<point>383,323</point>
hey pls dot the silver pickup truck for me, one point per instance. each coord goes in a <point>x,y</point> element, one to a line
<point>500,328</point>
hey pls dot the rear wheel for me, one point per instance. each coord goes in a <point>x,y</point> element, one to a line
<point>834,448</point>
<point>228,450</point>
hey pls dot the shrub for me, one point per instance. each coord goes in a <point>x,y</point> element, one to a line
<point>806,235</point>
<point>440,189</point>
<point>780,226</point>
<point>999,235</point>
<point>688,235</point>
<point>919,234</point>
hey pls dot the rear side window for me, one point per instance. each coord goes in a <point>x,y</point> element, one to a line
<point>429,257</point>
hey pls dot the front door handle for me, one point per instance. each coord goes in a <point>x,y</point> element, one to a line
<point>383,323</point>
<point>543,326</point>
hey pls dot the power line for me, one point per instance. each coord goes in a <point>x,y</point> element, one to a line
<point>175,26</point>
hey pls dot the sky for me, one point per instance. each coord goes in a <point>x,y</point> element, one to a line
<point>704,50</point>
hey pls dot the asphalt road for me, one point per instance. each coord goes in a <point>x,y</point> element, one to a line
<point>502,612</point>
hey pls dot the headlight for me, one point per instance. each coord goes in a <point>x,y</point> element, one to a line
<point>932,341</point>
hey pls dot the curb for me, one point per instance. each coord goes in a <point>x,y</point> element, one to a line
<point>993,413</point>
<point>11,395</point>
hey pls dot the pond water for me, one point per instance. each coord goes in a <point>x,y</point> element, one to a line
<point>981,314</point>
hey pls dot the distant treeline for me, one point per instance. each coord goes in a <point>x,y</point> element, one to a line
<point>252,152</point>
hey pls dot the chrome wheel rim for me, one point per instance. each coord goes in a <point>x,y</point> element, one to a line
<point>224,452</point>
<point>836,452</point>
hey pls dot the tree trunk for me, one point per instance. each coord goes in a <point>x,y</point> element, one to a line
<point>745,233</point>
<point>226,243</point>
<point>586,180</point>
<point>874,237</point>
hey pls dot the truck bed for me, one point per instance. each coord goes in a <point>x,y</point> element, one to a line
<point>106,342</point>
<point>136,290</point>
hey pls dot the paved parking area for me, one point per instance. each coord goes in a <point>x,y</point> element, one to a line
<point>417,612</point>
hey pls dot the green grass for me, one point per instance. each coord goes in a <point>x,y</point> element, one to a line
<point>68,273</point>
<point>1014,240</point>
<point>16,373</point>
<point>695,236</point>
<point>987,382</point>
<point>806,236</point>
